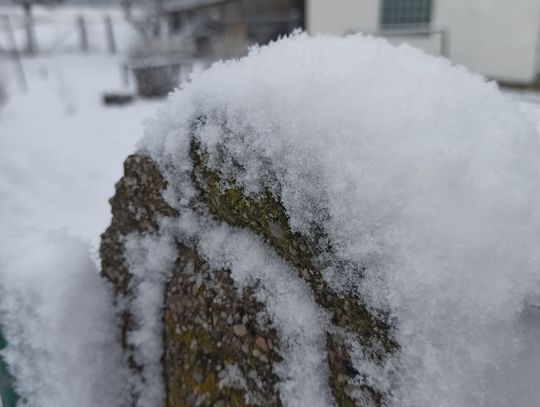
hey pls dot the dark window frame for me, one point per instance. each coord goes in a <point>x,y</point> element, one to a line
<point>400,14</point>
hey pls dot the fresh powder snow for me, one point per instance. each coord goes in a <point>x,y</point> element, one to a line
<point>150,260</point>
<point>421,173</point>
<point>57,315</point>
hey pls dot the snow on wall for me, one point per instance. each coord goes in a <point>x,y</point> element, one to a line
<point>150,260</point>
<point>295,315</point>
<point>56,314</point>
<point>420,172</point>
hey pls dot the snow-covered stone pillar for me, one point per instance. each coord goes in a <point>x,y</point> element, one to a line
<point>330,222</point>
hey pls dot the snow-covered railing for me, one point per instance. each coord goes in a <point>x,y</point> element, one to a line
<point>416,32</point>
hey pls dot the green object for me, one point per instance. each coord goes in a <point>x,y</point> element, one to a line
<point>8,396</point>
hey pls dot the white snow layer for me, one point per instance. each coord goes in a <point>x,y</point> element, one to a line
<point>150,260</point>
<point>56,313</point>
<point>420,172</point>
<point>294,313</point>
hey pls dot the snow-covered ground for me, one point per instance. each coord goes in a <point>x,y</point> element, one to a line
<point>61,152</point>
<point>57,30</point>
<point>61,149</point>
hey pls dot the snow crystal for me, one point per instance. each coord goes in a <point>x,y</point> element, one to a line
<point>421,174</point>
<point>56,314</point>
<point>231,376</point>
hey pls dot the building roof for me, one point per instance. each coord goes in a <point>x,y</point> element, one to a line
<point>180,6</point>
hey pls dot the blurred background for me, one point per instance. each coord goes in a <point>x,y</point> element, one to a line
<point>78,77</point>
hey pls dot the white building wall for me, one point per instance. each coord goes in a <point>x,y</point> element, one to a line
<point>497,38</point>
<point>537,65</point>
<point>342,16</point>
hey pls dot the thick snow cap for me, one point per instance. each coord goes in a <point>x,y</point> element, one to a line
<point>420,172</point>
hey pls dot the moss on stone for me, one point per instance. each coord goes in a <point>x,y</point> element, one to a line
<point>202,306</point>
<point>267,217</point>
<point>136,207</point>
<point>202,309</point>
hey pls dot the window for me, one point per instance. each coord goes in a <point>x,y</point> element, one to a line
<point>405,13</point>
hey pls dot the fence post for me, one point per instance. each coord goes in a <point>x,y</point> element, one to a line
<point>15,53</point>
<point>83,35</point>
<point>109,29</point>
<point>445,43</point>
<point>31,45</point>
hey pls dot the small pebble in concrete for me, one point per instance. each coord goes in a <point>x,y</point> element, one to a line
<point>239,330</point>
<point>260,343</point>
